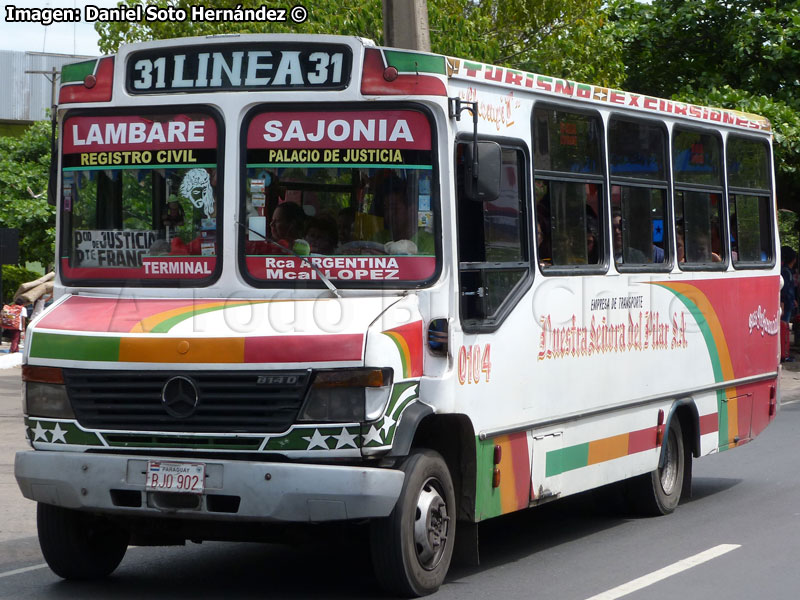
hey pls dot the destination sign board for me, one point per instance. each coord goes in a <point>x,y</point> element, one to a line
<point>232,67</point>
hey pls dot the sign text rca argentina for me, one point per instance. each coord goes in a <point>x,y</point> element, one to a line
<point>120,141</point>
<point>247,66</point>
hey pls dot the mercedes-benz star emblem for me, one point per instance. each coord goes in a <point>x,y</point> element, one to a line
<point>179,397</point>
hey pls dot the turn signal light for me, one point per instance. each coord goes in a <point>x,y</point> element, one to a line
<point>42,374</point>
<point>496,477</point>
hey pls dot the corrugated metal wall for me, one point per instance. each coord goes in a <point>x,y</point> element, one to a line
<point>24,96</point>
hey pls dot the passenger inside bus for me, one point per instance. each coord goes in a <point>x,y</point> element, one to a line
<point>401,234</point>
<point>631,254</point>
<point>321,235</point>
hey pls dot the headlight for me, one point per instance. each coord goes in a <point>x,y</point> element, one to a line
<point>44,393</point>
<point>347,396</point>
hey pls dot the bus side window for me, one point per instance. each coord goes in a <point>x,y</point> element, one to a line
<point>568,188</point>
<point>698,199</point>
<point>749,202</point>
<point>637,165</point>
<point>493,246</point>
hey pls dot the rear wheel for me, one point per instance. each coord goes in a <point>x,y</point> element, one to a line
<point>412,547</point>
<point>79,545</point>
<point>658,492</point>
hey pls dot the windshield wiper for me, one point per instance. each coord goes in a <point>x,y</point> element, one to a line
<point>324,278</point>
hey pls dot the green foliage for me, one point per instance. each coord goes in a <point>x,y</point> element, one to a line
<point>24,164</point>
<point>563,38</point>
<point>788,228</point>
<point>739,54</point>
<point>13,277</point>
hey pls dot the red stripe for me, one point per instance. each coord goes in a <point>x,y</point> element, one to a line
<point>639,441</point>
<point>303,348</point>
<point>373,83</point>
<point>709,423</point>
<point>101,92</point>
<point>412,334</point>
<point>80,313</point>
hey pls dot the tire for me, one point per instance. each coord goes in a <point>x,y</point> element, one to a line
<point>413,546</point>
<point>78,545</point>
<point>658,493</point>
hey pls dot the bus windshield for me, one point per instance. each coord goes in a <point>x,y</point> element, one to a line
<point>350,193</point>
<point>140,197</point>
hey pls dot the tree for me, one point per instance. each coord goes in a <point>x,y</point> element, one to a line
<point>24,164</point>
<point>563,38</point>
<point>740,54</point>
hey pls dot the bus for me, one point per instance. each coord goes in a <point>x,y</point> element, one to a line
<point>305,280</point>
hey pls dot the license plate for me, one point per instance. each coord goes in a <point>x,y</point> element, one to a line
<point>188,478</point>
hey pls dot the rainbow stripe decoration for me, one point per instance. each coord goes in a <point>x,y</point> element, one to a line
<point>223,350</point>
<point>408,340</point>
<point>708,321</point>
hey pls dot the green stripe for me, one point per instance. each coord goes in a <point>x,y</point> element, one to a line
<point>335,165</point>
<point>407,62</point>
<point>77,71</point>
<point>487,497</point>
<point>75,347</point>
<point>164,166</point>
<point>567,459</point>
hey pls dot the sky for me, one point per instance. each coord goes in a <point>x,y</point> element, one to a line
<point>62,38</point>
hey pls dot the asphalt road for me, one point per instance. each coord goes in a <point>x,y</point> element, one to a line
<point>736,538</point>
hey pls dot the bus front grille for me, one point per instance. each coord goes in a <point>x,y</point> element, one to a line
<point>226,401</point>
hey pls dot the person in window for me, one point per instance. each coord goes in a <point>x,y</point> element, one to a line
<point>634,255</point>
<point>402,235</point>
<point>592,244</point>
<point>321,235</point>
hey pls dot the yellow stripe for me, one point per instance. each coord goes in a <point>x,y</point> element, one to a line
<point>178,350</point>
<point>608,449</point>
<point>508,488</point>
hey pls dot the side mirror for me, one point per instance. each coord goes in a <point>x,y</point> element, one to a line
<point>483,184</point>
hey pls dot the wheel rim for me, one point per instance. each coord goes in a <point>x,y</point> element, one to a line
<point>430,525</point>
<point>669,472</point>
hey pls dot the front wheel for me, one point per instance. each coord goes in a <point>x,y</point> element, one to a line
<point>658,492</point>
<point>413,546</point>
<point>79,545</point>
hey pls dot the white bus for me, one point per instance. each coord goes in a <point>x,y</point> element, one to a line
<point>304,279</point>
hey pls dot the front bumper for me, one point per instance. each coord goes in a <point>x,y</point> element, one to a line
<point>292,492</point>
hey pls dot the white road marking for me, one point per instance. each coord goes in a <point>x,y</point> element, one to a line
<point>673,569</point>
<point>22,570</point>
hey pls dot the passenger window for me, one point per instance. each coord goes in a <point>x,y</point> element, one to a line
<point>568,188</point>
<point>750,199</point>
<point>698,199</point>
<point>493,246</point>
<point>637,164</point>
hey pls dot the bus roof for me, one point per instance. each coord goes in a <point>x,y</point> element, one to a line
<point>394,71</point>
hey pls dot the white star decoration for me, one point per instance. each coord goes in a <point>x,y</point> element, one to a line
<point>387,424</point>
<point>317,440</point>
<point>345,439</point>
<point>39,432</point>
<point>57,434</point>
<point>374,435</point>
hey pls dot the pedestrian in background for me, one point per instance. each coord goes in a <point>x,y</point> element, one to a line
<point>13,320</point>
<point>788,302</point>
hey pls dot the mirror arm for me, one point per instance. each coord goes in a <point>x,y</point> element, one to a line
<point>456,106</point>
